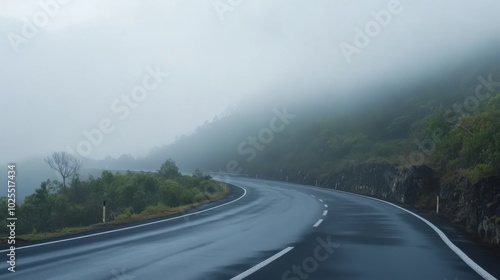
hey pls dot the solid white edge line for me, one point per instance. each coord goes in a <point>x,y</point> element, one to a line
<point>127,228</point>
<point>318,223</point>
<point>261,265</point>
<point>325,212</point>
<point>481,271</point>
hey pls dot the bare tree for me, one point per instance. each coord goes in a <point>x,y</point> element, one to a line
<point>64,163</point>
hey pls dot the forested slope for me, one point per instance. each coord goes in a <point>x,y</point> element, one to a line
<point>448,120</point>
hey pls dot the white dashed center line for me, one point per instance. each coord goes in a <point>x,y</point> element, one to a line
<point>318,223</point>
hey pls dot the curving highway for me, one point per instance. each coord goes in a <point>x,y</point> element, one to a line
<point>264,230</point>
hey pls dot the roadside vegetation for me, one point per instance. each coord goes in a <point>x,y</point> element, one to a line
<point>55,209</point>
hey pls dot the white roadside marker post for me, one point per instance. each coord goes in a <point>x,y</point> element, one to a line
<point>437,204</point>
<point>104,211</point>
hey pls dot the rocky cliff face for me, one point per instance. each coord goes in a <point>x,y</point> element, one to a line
<point>474,207</point>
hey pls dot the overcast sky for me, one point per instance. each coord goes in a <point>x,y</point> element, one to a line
<point>70,66</point>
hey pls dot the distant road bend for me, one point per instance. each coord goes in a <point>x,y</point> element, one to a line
<point>263,230</point>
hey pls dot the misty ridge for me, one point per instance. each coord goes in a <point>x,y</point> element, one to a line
<point>313,133</point>
<point>395,112</point>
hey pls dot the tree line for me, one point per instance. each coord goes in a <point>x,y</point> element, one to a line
<point>55,206</point>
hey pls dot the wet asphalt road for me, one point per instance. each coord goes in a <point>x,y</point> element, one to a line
<point>272,230</point>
